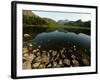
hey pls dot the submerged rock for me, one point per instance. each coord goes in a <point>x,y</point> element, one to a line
<point>86,62</point>
<point>49,65</point>
<point>54,64</point>
<point>67,62</point>
<point>38,59</point>
<point>27,35</point>
<point>41,66</point>
<point>45,59</point>
<point>26,65</point>
<point>60,62</point>
<point>36,65</point>
<point>75,63</point>
<point>25,50</point>
<point>54,53</point>
<point>38,54</point>
<point>25,55</point>
<point>74,48</point>
<point>73,56</point>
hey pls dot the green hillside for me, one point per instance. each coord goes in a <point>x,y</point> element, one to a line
<point>33,20</point>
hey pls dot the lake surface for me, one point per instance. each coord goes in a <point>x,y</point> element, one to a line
<point>60,39</point>
<point>58,48</point>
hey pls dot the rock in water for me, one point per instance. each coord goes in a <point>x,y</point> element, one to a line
<point>54,53</point>
<point>73,56</point>
<point>41,66</point>
<point>38,53</point>
<point>49,65</point>
<point>75,63</point>
<point>54,64</point>
<point>60,62</point>
<point>26,35</point>
<point>38,59</point>
<point>25,55</point>
<point>25,50</point>
<point>31,57</point>
<point>67,62</point>
<point>86,62</point>
<point>26,65</point>
<point>36,65</point>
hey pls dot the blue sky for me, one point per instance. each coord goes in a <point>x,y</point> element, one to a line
<point>64,15</point>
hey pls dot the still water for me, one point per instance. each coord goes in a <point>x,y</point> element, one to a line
<point>59,39</point>
<point>59,48</point>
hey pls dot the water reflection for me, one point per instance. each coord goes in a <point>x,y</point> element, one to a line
<point>59,39</point>
<point>56,49</point>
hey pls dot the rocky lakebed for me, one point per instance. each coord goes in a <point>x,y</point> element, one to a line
<point>39,58</point>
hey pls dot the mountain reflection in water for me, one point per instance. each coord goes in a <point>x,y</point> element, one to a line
<point>59,39</point>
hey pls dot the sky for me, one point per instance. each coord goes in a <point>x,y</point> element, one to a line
<point>63,15</point>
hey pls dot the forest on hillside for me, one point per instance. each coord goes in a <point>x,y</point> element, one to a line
<point>37,20</point>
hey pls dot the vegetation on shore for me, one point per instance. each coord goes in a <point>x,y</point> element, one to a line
<point>30,18</point>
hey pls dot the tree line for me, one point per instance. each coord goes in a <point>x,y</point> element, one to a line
<point>36,20</point>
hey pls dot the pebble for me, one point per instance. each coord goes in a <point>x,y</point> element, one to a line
<point>38,53</point>
<point>85,61</point>
<point>26,35</point>
<point>26,65</point>
<point>50,50</point>
<point>45,59</point>
<point>38,59</point>
<point>75,63</point>
<point>73,56</point>
<point>25,50</point>
<point>57,56</point>
<point>66,61</point>
<point>54,64</point>
<point>42,66</point>
<point>63,56</point>
<point>53,58</point>
<point>60,62</point>
<point>49,65</point>
<point>54,53</point>
<point>74,48</point>
<point>25,55</point>
<point>39,46</point>
<point>36,65</point>
<point>34,51</point>
<point>31,57</point>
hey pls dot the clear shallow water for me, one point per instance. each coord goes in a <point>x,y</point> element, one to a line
<point>59,48</point>
<point>60,39</point>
